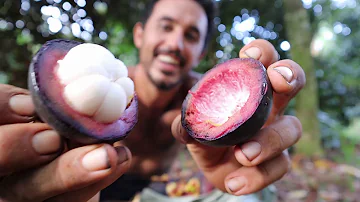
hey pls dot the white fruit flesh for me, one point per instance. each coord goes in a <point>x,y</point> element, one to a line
<point>96,83</point>
<point>221,99</point>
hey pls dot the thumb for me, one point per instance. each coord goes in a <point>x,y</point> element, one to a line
<point>15,105</point>
<point>179,131</point>
<point>205,156</point>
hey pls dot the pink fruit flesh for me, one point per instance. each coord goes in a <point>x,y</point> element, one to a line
<point>225,99</point>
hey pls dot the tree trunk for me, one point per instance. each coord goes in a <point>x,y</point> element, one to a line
<point>299,33</point>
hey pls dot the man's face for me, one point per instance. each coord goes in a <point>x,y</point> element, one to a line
<point>172,41</point>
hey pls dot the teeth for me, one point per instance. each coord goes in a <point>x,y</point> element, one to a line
<point>168,59</point>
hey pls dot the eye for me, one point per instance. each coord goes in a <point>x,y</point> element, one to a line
<point>166,27</point>
<point>191,36</point>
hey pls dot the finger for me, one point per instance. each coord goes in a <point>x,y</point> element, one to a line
<point>27,145</point>
<point>248,180</point>
<point>16,105</point>
<point>270,141</point>
<point>71,171</point>
<point>198,150</point>
<point>287,79</point>
<point>90,191</point>
<point>261,50</point>
<point>179,132</point>
<point>215,162</point>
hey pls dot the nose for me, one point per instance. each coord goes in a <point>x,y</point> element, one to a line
<point>175,41</point>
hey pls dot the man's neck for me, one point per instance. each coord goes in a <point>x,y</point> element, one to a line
<point>150,96</point>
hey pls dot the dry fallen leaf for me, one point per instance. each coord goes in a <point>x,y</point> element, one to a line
<point>297,194</point>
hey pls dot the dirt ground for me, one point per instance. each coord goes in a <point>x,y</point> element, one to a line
<point>310,180</point>
<point>318,180</point>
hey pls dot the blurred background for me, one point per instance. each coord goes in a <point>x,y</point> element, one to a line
<point>323,36</point>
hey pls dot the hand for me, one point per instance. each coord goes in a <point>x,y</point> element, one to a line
<point>36,165</point>
<point>250,167</point>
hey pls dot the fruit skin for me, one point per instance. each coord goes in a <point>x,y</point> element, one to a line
<point>246,130</point>
<point>49,111</point>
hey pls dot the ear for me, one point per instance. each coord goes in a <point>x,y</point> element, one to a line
<point>138,32</point>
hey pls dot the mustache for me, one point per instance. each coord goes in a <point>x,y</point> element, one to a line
<point>175,53</point>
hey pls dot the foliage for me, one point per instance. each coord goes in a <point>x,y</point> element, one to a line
<point>299,33</point>
<point>335,49</point>
<point>338,59</point>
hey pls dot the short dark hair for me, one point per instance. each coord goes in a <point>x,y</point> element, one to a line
<point>208,5</point>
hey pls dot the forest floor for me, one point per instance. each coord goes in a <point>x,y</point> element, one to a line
<point>319,180</point>
<point>310,179</point>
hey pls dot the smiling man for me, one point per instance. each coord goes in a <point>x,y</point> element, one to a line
<point>172,39</point>
<point>171,42</point>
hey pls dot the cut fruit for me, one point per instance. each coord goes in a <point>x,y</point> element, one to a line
<point>229,104</point>
<point>83,91</point>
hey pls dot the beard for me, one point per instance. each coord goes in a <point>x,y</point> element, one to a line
<point>161,84</point>
<point>165,86</point>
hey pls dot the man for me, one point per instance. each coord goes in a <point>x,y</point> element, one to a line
<point>171,42</point>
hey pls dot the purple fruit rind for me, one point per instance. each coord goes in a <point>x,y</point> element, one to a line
<point>243,131</point>
<point>53,114</point>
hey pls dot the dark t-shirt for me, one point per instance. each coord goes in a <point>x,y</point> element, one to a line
<point>124,189</point>
<point>183,179</point>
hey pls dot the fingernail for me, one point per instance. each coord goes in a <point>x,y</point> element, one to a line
<point>251,150</point>
<point>22,105</point>
<point>285,72</point>
<point>235,184</point>
<point>47,142</point>
<point>96,160</point>
<point>253,52</point>
<point>122,154</point>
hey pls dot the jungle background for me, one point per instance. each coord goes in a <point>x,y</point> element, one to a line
<point>323,36</point>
